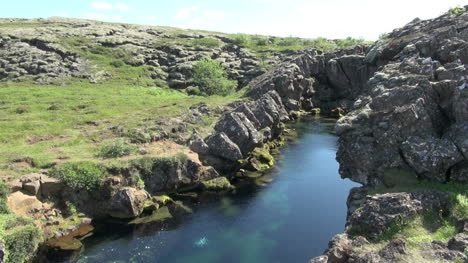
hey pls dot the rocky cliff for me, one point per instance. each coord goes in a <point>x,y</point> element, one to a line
<point>403,108</point>
<point>405,99</point>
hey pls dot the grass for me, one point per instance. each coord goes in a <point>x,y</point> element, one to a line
<point>268,44</point>
<point>83,115</point>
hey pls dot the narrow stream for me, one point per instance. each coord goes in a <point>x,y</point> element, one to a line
<point>289,220</point>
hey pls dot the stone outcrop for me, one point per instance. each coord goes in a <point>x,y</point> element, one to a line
<point>378,212</point>
<point>405,100</point>
<point>47,50</point>
<point>168,176</point>
<point>413,112</point>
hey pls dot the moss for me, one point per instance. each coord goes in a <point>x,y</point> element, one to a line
<point>260,159</point>
<point>159,215</point>
<point>162,199</point>
<point>315,111</point>
<point>217,184</point>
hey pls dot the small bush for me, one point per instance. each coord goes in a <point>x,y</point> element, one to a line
<point>262,41</point>
<point>21,244</point>
<point>193,91</point>
<point>81,175</point>
<point>116,149</point>
<point>206,42</point>
<point>457,11</point>
<point>241,40</point>
<point>211,77</point>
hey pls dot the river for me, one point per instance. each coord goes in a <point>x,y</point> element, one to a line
<point>290,219</point>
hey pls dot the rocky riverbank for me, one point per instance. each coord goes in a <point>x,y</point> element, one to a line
<point>406,103</point>
<point>402,106</point>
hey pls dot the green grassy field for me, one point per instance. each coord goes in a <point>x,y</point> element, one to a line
<point>48,122</point>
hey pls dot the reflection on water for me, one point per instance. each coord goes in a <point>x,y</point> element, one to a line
<point>289,220</point>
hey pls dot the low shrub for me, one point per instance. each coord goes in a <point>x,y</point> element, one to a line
<point>116,149</point>
<point>211,78</point>
<point>21,237</point>
<point>22,243</point>
<point>241,40</point>
<point>80,175</point>
<point>457,11</point>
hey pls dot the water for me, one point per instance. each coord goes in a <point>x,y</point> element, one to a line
<point>290,220</point>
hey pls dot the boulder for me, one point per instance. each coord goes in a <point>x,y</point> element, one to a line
<point>393,251</point>
<point>197,144</point>
<point>15,185</point>
<point>32,188</point>
<point>127,203</point>
<point>379,211</point>
<point>240,131</point>
<point>459,242</point>
<point>50,186</point>
<point>220,145</point>
<point>431,157</point>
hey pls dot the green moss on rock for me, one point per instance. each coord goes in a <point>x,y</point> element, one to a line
<point>260,159</point>
<point>218,184</point>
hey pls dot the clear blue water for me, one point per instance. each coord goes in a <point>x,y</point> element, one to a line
<point>289,220</point>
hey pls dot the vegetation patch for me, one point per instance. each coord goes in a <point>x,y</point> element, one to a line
<point>116,149</point>
<point>206,42</point>
<point>211,78</point>
<point>457,11</point>
<point>21,238</point>
<point>80,175</point>
<point>259,159</point>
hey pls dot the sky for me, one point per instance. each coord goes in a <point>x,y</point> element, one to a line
<point>300,18</point>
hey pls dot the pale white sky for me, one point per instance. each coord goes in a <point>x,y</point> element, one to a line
<point>302,18</point>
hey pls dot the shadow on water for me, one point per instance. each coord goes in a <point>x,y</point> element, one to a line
<point>289,220</point>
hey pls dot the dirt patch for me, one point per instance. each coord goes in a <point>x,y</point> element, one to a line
<point>24,205</point>
<point>38,139</point>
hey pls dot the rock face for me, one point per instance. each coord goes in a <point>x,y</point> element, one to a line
<point>405,98</point>
<point>412,112</point>
<point>169,176</point>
